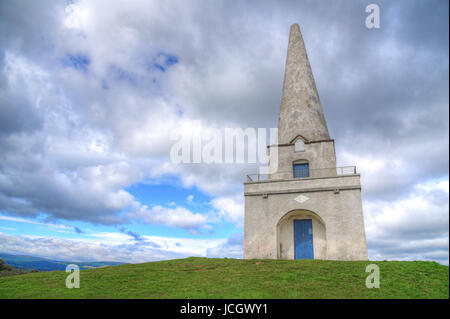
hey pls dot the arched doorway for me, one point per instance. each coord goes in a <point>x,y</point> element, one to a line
<point>293,222</point>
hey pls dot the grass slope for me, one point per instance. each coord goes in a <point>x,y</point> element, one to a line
<point>235,278</point>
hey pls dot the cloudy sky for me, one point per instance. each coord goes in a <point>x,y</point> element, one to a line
<point>91,91</point>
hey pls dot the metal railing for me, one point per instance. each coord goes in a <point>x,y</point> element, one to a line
<point>313,173</point>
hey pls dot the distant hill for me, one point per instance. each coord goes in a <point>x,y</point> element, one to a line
<point>236,278</point>
<point>44,264</point>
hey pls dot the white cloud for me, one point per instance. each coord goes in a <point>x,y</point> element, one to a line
<point>197,246</point>
<point>7,228</point>
<point>22,220</point>
<point>233,247</point>
<point>174,217</point>
<point>415,227</point>
<point>231,209</point>
<point>112,247</point>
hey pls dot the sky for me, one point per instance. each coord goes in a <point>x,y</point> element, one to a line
<point>92,91</point>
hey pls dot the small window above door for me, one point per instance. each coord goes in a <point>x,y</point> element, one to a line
<point>301,170</point>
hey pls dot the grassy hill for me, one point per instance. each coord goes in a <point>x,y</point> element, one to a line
<point>235,278</point>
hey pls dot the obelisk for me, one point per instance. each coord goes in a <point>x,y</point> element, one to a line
<point>300,110</point>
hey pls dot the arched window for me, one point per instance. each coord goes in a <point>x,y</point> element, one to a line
<point>301,169</point>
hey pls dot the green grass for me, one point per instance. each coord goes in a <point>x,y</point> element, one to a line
<point>235,278</point>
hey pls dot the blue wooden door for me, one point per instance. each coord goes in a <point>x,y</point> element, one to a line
<point>303,239</point>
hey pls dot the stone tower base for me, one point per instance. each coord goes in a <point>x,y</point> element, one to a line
<point>332,203</point>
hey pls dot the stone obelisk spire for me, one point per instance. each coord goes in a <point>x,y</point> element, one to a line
<point>300,111</point>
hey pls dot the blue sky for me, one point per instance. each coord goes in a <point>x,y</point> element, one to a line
<point>89,99</point>
<point>166,194</point>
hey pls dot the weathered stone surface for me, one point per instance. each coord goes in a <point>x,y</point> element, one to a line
<point>300,111</point>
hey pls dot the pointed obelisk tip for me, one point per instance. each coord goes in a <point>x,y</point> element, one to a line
<point>295,34</point>
<point>295,26</point>
<point>300,110</point>
<point>295,30</point>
